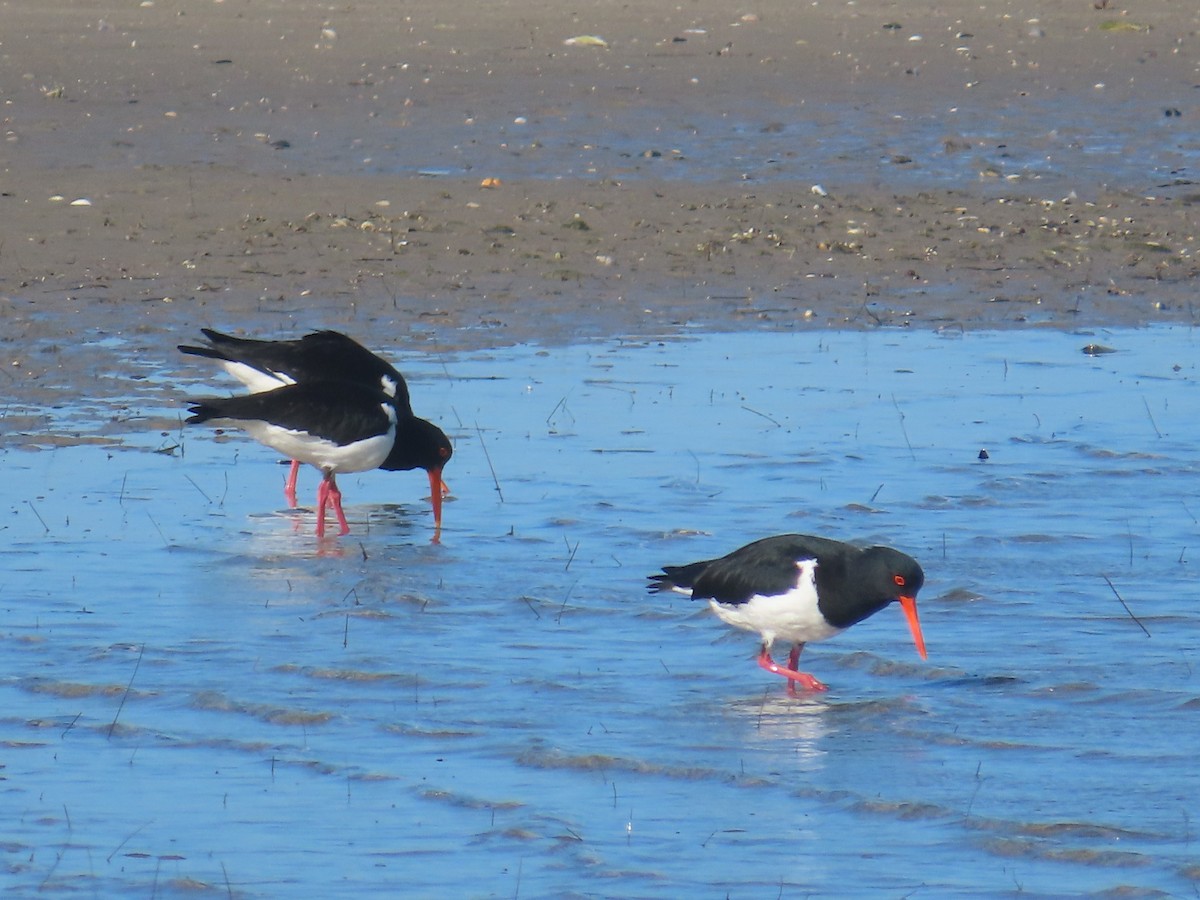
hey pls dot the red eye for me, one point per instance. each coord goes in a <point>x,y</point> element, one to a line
<point>899,579</point>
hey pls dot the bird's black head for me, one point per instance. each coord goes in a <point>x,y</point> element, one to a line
<point>419,445</point>
<point>906,578</point>
<point>901,570</point>
<point>861,586</point>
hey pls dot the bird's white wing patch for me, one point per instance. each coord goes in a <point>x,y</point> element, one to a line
<point>256,379</point>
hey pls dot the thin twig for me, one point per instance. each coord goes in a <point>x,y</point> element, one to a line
<point>70,725</point>
<point>566,597</point>
<point>904,430</point>
<point>561,403</point>
<point>764,415</point>
<point>488,457</point>
<point>975,793</point>
<point>1126,605</point>
<point>53,869</point>
<point>29,503</point>
<point>125,696</point>
<point>1146,403</point>
<point>159,530</point>
<point>573,550</point>
<point>128,838</point>
<point>196,486</point>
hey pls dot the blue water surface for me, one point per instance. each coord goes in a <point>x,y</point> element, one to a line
<point>200,696</point>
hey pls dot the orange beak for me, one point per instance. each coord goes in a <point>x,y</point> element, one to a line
<point>436,490</point>
<point>909,605</point>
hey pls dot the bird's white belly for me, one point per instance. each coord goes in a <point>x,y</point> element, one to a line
<point>792,617</point>
<point>326,455</point>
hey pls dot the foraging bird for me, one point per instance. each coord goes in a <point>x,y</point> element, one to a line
<point>319,356</point>
<point>331,355</point>
<point>799,588</point>
<point>335,426</point>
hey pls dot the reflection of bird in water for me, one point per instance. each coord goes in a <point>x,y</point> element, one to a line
<point>800,588</point>
<point>332,356</point>
<point>777,719</point>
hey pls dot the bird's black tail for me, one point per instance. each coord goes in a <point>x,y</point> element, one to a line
<point>672,577</point>
<point>201,411</point>
<point>206,352</point>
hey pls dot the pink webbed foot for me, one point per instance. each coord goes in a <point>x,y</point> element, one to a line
<point>793,676</point>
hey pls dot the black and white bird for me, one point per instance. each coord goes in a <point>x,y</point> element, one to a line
<point>799,588</point>
<point>332,356</point>
<point>334,426</point>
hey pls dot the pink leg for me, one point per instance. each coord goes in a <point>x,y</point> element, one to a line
<point>790,673</point>
<point>322,502</point>
<point>289,487</point>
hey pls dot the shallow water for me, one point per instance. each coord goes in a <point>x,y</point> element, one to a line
<point>199,695</point>
<point>1064,145</point>
<point>894,138</point>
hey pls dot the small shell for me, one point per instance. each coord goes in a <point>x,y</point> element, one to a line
<point>490,183</point>
<point>586,40</point>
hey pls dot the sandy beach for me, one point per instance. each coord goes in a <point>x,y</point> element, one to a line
<point>459,175</point>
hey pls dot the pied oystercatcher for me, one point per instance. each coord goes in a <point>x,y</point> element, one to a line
<point>331,355</point>
<point>799,588</point>
<point>335,426</point>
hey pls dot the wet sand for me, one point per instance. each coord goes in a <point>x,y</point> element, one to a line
<point>456,175</point>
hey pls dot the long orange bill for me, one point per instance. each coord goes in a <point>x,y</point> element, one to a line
<point>435,495</point>
<point>909,605</point>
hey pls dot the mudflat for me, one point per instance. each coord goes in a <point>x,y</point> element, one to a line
<point>431,174</point>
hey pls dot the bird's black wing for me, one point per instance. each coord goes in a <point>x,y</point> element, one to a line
<point>765,567</point>
<point>337,411</point>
